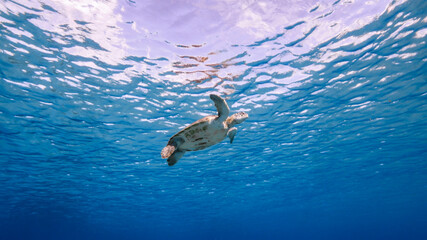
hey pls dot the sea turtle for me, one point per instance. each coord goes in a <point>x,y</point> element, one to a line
<point>204,132</point>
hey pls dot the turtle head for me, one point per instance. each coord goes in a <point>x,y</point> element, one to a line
<point>237,118</point>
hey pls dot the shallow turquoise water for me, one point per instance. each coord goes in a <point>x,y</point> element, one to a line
<point>335,146</point>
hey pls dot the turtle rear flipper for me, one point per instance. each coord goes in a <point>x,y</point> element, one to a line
<point>167,151</point>
<point>175,157</point>
<point>172,146</point>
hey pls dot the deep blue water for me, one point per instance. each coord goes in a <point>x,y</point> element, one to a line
<point>335,146</point>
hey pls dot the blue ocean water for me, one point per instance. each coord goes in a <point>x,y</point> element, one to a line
<point>335,146</point>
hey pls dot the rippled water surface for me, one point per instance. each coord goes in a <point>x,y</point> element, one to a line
<point>335,146</point>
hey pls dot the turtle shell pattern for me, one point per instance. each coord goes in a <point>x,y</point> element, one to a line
<point>201,134</point>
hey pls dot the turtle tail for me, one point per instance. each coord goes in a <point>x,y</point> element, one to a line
<point>167,151</point>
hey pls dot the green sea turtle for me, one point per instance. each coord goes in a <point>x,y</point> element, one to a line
<point>204,132</point>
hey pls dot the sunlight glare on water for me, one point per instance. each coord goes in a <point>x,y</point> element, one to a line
<point>334,148</point>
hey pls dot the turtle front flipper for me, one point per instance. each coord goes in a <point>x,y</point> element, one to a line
<point>221,106</point>
<point>231,133</point>
<point>175,157</point>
